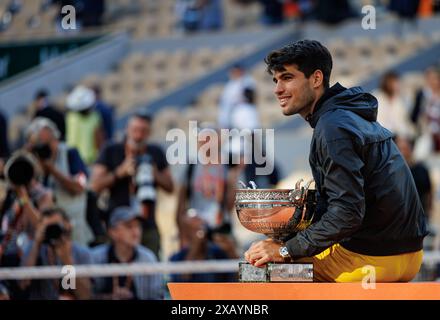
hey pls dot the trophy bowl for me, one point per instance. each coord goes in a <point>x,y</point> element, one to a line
<point>276,213</point>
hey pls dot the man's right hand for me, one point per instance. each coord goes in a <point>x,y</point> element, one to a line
<point>122,293</point>
<point>127,168</point>
<point>41,229</point>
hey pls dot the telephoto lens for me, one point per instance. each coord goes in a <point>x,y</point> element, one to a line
<point>20,169</point>
<point>144,180</point>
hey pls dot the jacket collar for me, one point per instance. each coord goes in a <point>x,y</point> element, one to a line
<point>336,89</point>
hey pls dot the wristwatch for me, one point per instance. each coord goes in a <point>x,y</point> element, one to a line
<point>285,254</point>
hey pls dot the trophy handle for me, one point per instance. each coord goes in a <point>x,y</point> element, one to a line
<point>298,195</point>
<point>298,184</point>
<point>309,183</point>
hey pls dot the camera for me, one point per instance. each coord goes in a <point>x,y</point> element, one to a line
<point>144,179</point>
<point>225,228</point>
<point>42,151</point>
<point>53,233</point>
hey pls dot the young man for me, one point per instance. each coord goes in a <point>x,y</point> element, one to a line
<point>125,233</point>
<point>133,170</point>
<point>369,212</point>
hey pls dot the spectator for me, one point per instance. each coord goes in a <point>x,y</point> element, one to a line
<point>24,201</point>
<point>392,112</point>
<point>208,190</point>
<point>53,246</point>
<point>125,233</point>
<point>406,11</point>
<point>132,170</point>
<point>333,12</point>
<point>245,116</point>
<point>83,124</point>
<point>64,172</point>
<point>92,13</point>
<point>273,13</point>
<point>4,143</point>
<point>232,94</point>
<point>188,14</point>
<point>21,214</point>
<point>106,112</point>
<point>421,177</point>
<point>15,6</point>
<point>426,111</point>
<point>202,247</point>
<point>211,15</point>
<point>44,109</point>
<point>195,15</point>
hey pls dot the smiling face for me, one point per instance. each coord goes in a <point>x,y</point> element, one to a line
<point>296,93</point>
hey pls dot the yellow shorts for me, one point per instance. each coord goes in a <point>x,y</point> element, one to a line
<point>337,264</point>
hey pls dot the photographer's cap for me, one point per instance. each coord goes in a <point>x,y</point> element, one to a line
<point>123,214</point>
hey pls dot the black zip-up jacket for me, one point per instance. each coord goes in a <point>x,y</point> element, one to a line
<point>368,201</point>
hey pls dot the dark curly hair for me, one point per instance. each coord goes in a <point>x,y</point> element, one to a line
<point>307,55</point>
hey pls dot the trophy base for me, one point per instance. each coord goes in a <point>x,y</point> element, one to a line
<point>276,272</point>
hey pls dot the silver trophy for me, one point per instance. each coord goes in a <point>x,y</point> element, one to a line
<point>278,214</point>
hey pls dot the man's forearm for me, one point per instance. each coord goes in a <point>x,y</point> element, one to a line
<point>68,183</point>
<point>165,181</point>
<point>181,207</point>
<point>104,182</point>
<point>31,261</point>
<point>31,213</point>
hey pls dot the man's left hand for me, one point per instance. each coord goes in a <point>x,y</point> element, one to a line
<point>262,252</point>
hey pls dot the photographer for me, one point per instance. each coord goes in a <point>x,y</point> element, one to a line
<point>132,171</point>
<point>125,233</point>
<point>53,245</point>
<point>25,197</point>
<point>64,173</point>
<point>208,188</point>
<point>204,245</point>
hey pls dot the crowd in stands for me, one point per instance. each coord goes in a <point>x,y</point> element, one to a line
<point>415,121</point>
<point>189,16</point>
